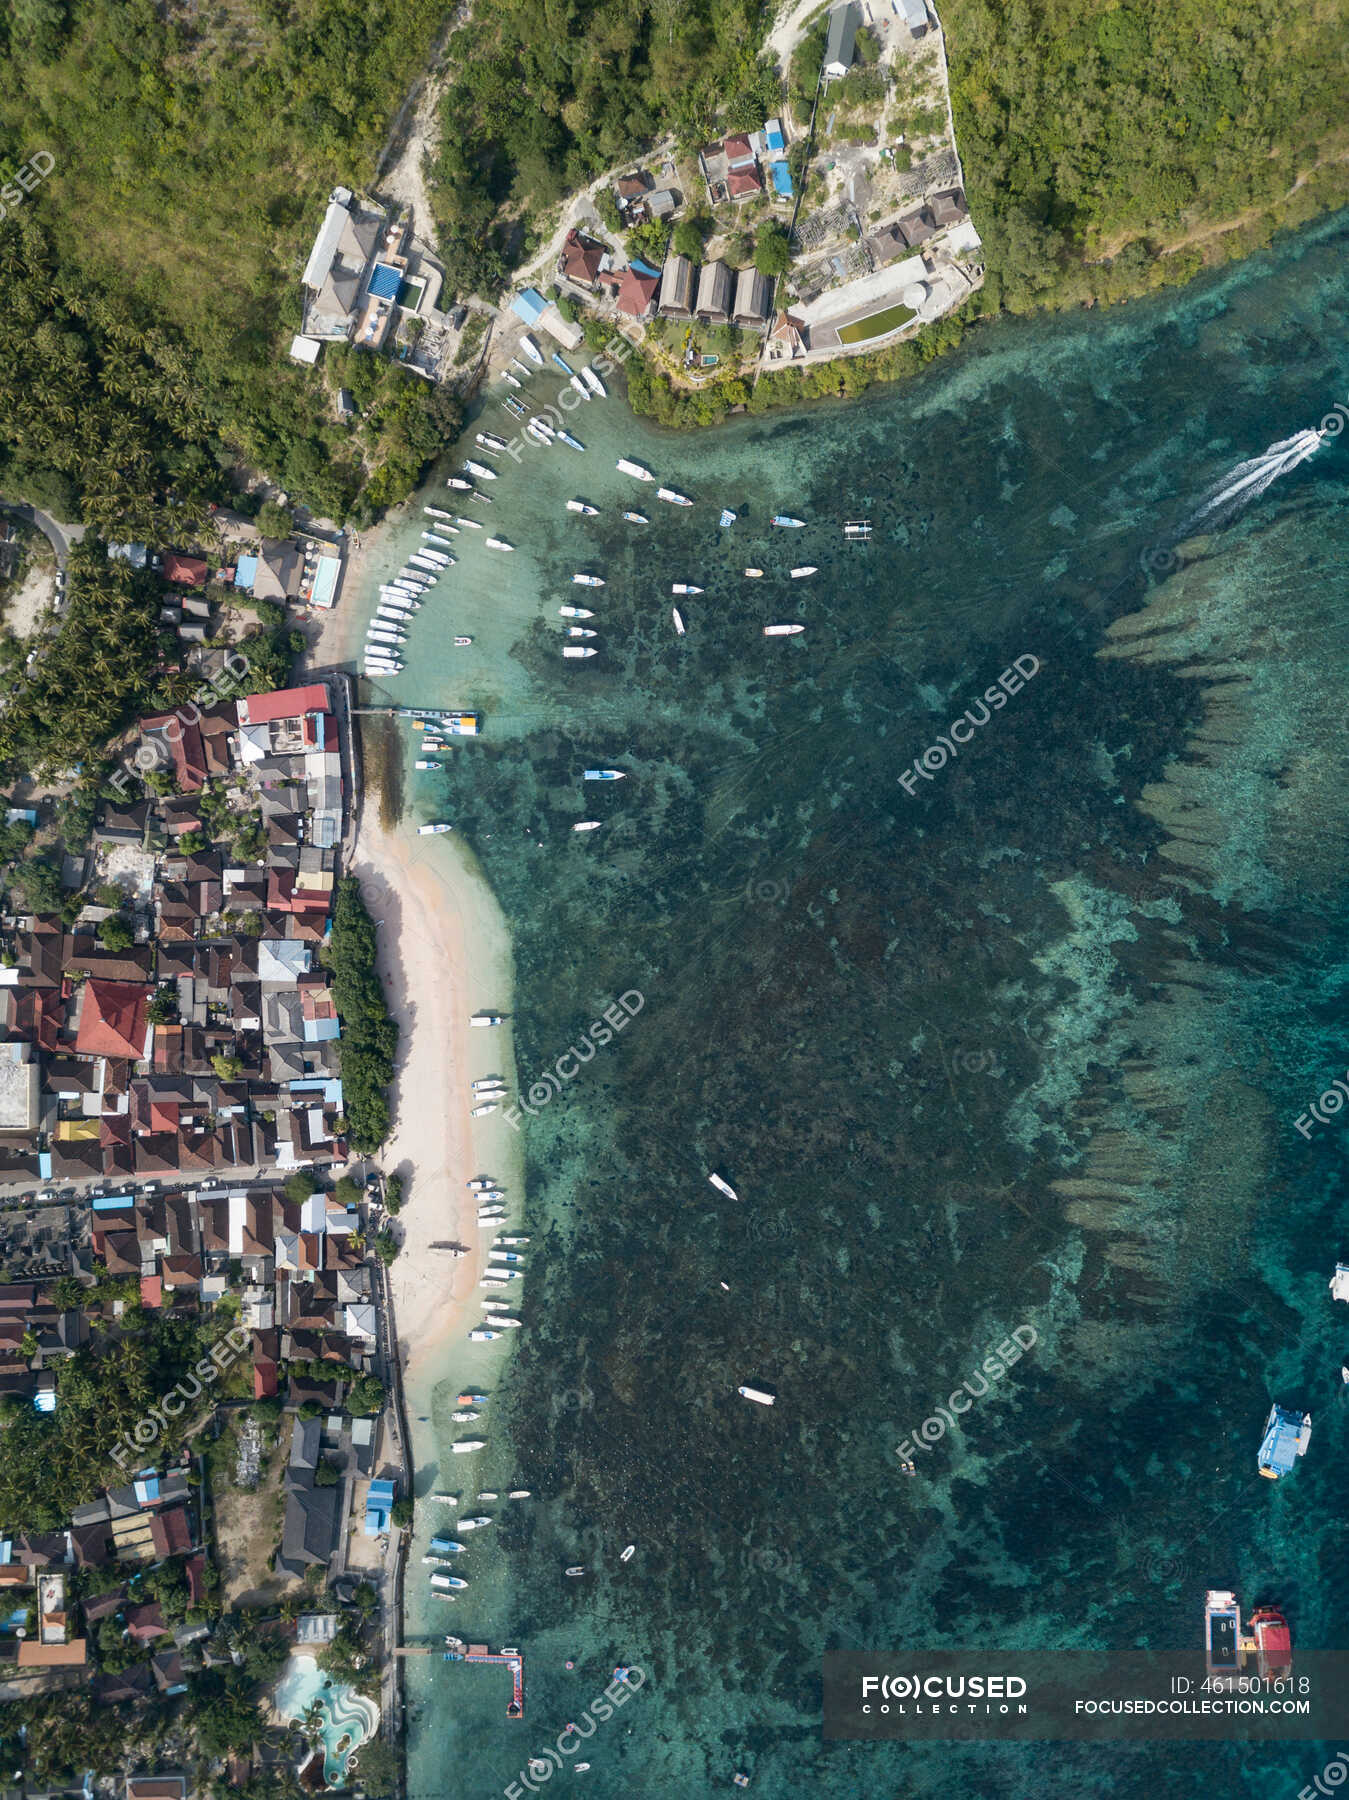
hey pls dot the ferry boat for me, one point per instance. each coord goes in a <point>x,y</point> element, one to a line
<point>481,470</point>
<point>562,362</point>
<point>727,517</point>
<point>684,587</point>
<point>482,1019</point>
<point>575,612</point>
<point>723,1187</point>
<point>480,1335</point>
<point>594,383</point>
<point>514,380</point>
<point>588,580</point>
<point>801,573</point>
<point>675,499</point>
<point>587,825</point>
<point>464,1445</point>
<point>678,618</point>
<point>636,518</point>
<point>637,472</point>
<point>490,440</point>
<point>779,519</point>
<point>782,630</point>
<point>581,388</point>
<point>761,1395</point>
<point>457,481</point>
<point>580,631</point>
<point>574,442</point>
<point>499,544</point>
<point>436,512</point>
<point>604,775</point>
<point>583,506</point>
<point>488,1106</point>
<point>754,574</point>
<point>1287,1434</point>
<point>433,830</point>
<point>575,650</point>
<point>531,349</point>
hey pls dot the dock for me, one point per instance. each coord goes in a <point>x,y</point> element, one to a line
<point>508,1657</point>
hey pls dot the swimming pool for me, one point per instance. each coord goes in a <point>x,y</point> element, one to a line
<point>349,1718</point>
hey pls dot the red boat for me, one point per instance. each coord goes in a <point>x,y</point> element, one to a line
<point>1273,1643</point>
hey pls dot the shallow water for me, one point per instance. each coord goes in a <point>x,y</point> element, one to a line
<point>1018,1041</point>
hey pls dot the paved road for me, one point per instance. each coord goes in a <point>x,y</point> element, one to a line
<point>60,537</point>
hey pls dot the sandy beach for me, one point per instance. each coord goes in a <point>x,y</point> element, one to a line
<point>444,955</point>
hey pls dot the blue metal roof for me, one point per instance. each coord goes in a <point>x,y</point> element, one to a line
<point>642,268</point>
<point>385,281</point>
<point>782,178</point>
<point>245,572</point>
<point>773,137</point>
<point>112,1202</point>
<point>529,305</point>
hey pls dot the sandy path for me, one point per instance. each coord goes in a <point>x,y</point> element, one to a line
<point>444,955</point>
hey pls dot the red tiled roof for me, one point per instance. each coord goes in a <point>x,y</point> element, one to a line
<point>183,737</point>
<point>737,146</point>
<point>170,1531</point>
<point>635,293</point>
<point>152,1290</point>
<point>580,258</point>
<point>163,1115</point>
<point>264,1378</point>
<point>283,703</point>
<point>743,181</point>
<point>184,571</point>
<point>112,1019</point>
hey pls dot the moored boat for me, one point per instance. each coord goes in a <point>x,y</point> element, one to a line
<point>514,380</point>
<point>562,362</point>
<point>723,1187</point>
<point>433,830</point>
<point>634,469</point>
<point>482,1019</point>
<point>574,442</point>
<point>678,618</point>
<point>805,569</point>
<point>463,1446</point>
<point>583,506</point>
<point>481,470</point>
<point>684,587</point>
<point>636,518</point>
<point>586,825</point>
<point>588,580</point>
<point>754,574</point>
<point>491,441</point>
<point>581,388</point>
<point>761,1395</point>
<point>674,498</point>
<point>727,517</point>
<point>436,512</point>
<point>461,643</point>
<point>495,543</point>
<point>627,1553</point>
<point>488,1106</point>
<point>782,630</point>
<point>787,520</point>
<point>594,383</point>
<point>576,650</point>
<point>470,524</point>
<point>480,1335</point>
<point>604,775</point>
<point>575,612</point>
<point>531,349</point>
<point>457,481</point>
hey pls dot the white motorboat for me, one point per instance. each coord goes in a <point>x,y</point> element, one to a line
<point>457,481</point>
<point>636,518</point>
<point>805,569</point>
<point>674,498</point>
<point>678,618</point>
<point>782,630</point>
<point>581,631</point>
<point>488,1106</point>
<point>480,470</point>
<point>634,469</point>
<point>531,349</point>
<point>464,1445</point>
<point>594,383</point>
<point>469,524</point>
<point>723,1187</point>
<point>580,387</point>
<point>499,544</point>
<point>684,587</point>
<point>754,574</point>
<point>587,825</point>
<point>583,506</point>
<point>588,580</point>
<point>575,612</point>
<point>577,650</point>
<point>433,830</point>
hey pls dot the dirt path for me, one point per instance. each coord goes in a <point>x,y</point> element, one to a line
<point>1200,234</point>
<point>400,173</point>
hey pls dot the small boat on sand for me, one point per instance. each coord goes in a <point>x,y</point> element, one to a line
<point>514,380</point>
<point>574,442</point>
<point>562,362</point>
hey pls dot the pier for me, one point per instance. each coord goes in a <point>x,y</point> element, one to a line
<point>511,1658</point>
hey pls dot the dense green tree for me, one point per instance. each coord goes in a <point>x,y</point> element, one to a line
<point>772,249</point>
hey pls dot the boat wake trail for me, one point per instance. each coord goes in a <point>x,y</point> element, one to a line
<point>1250,479</point>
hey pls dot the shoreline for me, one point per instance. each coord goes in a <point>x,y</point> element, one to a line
<point>444,954</point>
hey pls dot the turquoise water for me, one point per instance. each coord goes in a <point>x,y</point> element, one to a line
<point>1021,1047</point>
<point>348,1717</point>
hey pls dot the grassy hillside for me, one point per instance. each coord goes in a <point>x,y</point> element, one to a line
<point>194,148</point>
<point>1095,132</point>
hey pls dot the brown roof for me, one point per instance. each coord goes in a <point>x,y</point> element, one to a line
<point>112,1019</point>
<point>33,1655</point>
<point>581,257</point>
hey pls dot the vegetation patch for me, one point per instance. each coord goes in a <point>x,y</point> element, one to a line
<point>876,324</point>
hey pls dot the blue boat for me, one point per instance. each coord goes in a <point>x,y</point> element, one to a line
<point>1287,1435</point>
<point>567,438</point>
<point>562,362</point>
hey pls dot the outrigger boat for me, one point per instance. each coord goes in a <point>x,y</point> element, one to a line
<point>481,470</point>
<point>567,438</point>
<point>636,518</point>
